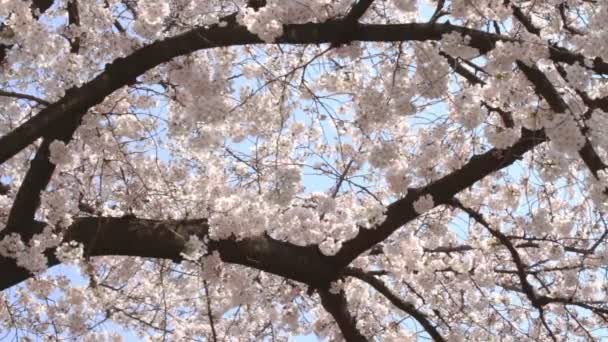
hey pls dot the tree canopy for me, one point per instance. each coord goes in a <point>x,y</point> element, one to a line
<point>232,170</point>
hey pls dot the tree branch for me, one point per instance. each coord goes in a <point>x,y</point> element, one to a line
<point>23,96</point>
<point>407,307</point>
<point>124,71</point>
<point>357,11</point>
<point>41,5</point>
<point>74,21</point>
<point>127,236</point>
<point>548,92</point>
<point>337,306</point>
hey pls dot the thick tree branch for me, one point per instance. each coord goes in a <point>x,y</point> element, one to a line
<point>124,71</point>
<point>462,71</point>
<point>256,4</point>
<point>102,236</point>
<point>337,306</point>
<point>439,11</point>
<point>27,199</point>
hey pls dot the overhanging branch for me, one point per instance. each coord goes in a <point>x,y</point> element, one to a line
<point>124,71</point>
<point>102,236</point>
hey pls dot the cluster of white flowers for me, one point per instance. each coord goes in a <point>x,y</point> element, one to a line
<point>31,255</point>
<point>424,204</point>
<point>330,246</point>
<point>431,69</point>
<point>597,191</point>
<point>598,127</point>
<point>457,45</point>
<point>263,22</point>
<point>372,109</point>
<point>405,5</point>
<point>397,178</point>
<point>564,133</point>
<point>241,215</point>
<point>503,56</point>
<point>150,17</point>
<point>69,252</point>
<point>287,184</point>
<point>411,249</point>
<point>402,103</point>
<point>502,137</point>
<point>325,204</point>
<point>373,214</point>
<point>60,155</point>
<point>466,110</point>
<point>201,105</point>
<point>383,154</point>
<point>577,75</point>
<point>59,206</point>
<point>540,223</point>
<point>336,286</point>
<point>194,248</point>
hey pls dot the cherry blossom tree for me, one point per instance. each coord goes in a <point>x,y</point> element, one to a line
<point>389,170</point>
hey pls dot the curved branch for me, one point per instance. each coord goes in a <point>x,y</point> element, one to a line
<point>407,307</point>
<point>124,71</point>
<point>24,96</point>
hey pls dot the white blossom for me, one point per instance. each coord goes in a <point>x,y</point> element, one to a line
<point>424,204</point>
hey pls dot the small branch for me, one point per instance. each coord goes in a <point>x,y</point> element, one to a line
<point>209,313</point>
<point>22,96</point>
<point>3,51</point>
<point>4,188</point>
<point>563,7</point>
<point>438,12</point>
<point>357,11</point>
<point>449,249</point>
<point>74,21</point>
<point>409,308</point>
<point>519,264</point>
